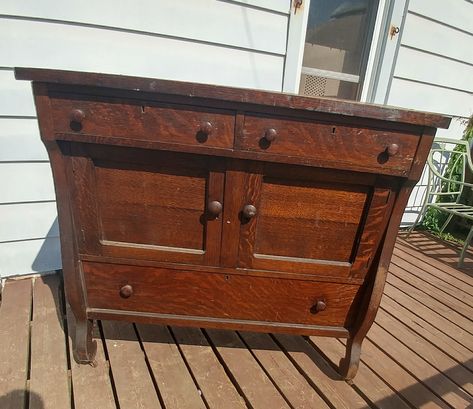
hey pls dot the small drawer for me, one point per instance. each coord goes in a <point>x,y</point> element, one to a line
<point>216,295</point>
<point>149,122</point>
<point>331,145</point>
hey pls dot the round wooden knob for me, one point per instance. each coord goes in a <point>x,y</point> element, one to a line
<point>206,127</point>
<point>249,211</point>
<point>126,291</point>
<point>392,149</point>
<point>320,305</point>
<point>270,134</point>
<point>77,115</point>
<point>214,208</point>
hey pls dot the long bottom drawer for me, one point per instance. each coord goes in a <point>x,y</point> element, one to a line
<point>219,296</point>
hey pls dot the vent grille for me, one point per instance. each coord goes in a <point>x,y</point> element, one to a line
<point>313,85</point>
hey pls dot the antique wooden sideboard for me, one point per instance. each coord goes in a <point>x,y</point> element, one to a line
<point>200,205</point>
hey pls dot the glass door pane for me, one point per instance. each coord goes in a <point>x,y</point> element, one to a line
<point>336,47</point>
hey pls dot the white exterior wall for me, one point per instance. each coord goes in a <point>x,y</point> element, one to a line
<point>433,70</point>
<point>236,43</point>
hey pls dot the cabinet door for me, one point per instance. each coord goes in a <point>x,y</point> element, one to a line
<point>144,204</point>
<point>307,221</point>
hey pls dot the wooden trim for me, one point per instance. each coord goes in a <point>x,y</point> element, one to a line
<point>352,109</point>
<point>314,276</point>
<point>209,322</point>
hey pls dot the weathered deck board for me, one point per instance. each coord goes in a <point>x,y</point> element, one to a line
<point>320,373</point>
<point>215,385</point>
<point>435,293</point>
<point>283,373</point>
<point>255,384</point>
<point>422,370</point>
<point>419,353</point>
<point>15,313</point>
<point>370,384</point>
<point>49,378</point>
<point>427,351</point>
<point>167,366</point>
<point>133,382</point>
<point>444,284</point>
<point>423,328</point>
<point>92,387</point>
<point>438,321</point>
<point>433,265</point>
<point>398,378</point>
<point>440,307</point>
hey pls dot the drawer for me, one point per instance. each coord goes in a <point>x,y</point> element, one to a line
<point>332,145</point>
<point>215,295</point>
<point>150,122</point>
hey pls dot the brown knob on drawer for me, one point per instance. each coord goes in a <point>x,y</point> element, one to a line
<point>270,134</point>
<point>320,305</point>
<point>77,115</point>
<point>126,291</point>
<point>206,127</point>
<point>392,149</point>
<point>249,211</point>
<point>214,208</point>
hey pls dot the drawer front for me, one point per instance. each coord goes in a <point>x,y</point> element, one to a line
<point>215,295</point>
<point>331,145</point>
<point>132,120</point>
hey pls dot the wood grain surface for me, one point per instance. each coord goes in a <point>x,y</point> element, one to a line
<point>217,295</point>
<point>331,142</point>
<point>142,120</point>
<point>152,85</point>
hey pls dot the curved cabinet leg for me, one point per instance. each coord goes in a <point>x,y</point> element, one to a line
<point>349,364</point>
<point>84,347</point>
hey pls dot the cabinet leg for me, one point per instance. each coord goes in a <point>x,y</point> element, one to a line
<point>84,346</point>
<point>349,364</point>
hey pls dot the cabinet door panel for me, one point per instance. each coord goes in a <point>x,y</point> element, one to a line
<point>311,222</point>
<point>147,204</point>
<point>305,219</point>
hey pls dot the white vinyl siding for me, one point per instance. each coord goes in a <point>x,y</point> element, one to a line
<point>234,43</point>
<point>434,68</point>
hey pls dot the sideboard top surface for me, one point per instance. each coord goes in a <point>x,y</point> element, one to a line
<point>237,95</point>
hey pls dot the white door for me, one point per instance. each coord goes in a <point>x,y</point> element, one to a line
<point>335,48</point>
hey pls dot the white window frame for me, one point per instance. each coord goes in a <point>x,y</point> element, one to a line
<point>381,58</point>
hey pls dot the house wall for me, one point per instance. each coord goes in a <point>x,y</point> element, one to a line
<point>237,43</point>
<point>433,70</point>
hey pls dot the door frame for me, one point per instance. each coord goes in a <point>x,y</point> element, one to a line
<point>382,53</point>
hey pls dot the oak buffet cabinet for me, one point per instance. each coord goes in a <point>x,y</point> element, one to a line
<point>207,206</point>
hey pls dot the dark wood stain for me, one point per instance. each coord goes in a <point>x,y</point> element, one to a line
<point>199,205</point>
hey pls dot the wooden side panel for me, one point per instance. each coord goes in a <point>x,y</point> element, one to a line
<point>232,296</point>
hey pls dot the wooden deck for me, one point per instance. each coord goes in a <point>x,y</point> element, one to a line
<point>419,353</point>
